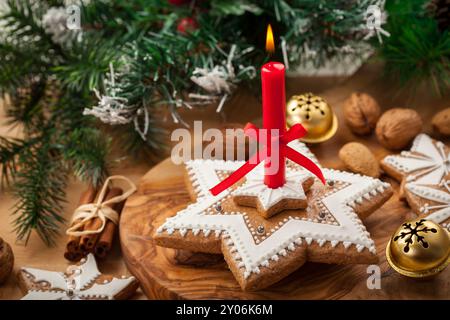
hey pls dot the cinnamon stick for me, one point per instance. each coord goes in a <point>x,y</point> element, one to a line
<point>73,243</point>
<point>73,256</point>
<point>87,242</point>
<point>105,240</point>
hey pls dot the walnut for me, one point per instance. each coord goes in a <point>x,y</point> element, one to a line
<point>397,128</point>
<point>6,261</point>
<point>441,122</point>
<point>359,159</point>
<point>361,113</point>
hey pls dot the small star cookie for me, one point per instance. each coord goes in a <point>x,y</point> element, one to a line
<point>80,282</point>
<point>268,201</point>
<point>261,251</point>
<point>424,174</point>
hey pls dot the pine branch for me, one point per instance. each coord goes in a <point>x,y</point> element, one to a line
<point>10,151</point>
<point>21,18</point>
<point>28,102</point>
<point>16,65</point>
<point>21,21</point>
<point>233,7</point>
<point>417,51</point>
<point>85,151</point>
<point>68,144</point>
<point>87,65</point>
<point>40,188</point>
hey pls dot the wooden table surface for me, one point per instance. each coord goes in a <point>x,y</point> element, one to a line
<point>166,273</point>
<point>242,108</point>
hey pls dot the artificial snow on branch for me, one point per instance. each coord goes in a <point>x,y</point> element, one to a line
<point>220,80</point>
<point>55,23</point>
<point>114,110</point>
<point>376,16</point>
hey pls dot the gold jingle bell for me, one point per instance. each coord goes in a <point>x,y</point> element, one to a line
<point>419,249</point>
<point>315,114</point>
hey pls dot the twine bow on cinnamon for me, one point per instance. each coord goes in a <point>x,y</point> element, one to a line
<point>100,209</point>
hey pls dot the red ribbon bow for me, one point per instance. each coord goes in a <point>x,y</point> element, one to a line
<point>295,132</point>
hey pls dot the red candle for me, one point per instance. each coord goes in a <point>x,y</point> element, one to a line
<point>274,123</point>
<point>274,117</point>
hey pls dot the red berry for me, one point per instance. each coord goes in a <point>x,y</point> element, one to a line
<point>186,25</point>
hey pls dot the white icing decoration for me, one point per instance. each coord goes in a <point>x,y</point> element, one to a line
<point>204,176</point>
<point>55,279</point>
<point>44,295</point>
<point>431,162</point>
<point>268,197</point>
<point>442,212</point>
<point>108,290</point>
<point>89,273</point>
<point>347,228</point>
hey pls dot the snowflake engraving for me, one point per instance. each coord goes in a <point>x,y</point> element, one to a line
<point>415,232</point>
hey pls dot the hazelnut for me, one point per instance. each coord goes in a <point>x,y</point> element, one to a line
<point>397,128</point>
<point>359,159</point>
<point>441,122</point>
<point>6,260</point>
<point>361,113</point>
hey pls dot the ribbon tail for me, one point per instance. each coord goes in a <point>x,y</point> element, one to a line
<point>119,198</point>
<point>305,162</point>
<point>239,173</point>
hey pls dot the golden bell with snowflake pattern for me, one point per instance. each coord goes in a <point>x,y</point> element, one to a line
<point>315,114</point>
<point>419,249</point>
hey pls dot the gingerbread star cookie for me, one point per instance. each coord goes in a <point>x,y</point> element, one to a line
<point>260,251</point>
<point>425,163</point>
<point>423,172</point>
<point>80,282</point>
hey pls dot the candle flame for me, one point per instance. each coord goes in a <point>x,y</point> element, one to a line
<point>270,43</point>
